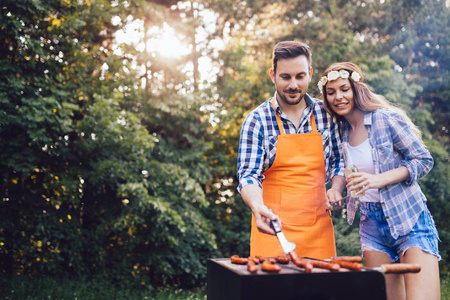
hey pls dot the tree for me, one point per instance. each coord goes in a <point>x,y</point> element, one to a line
<point>119,162</point>
<point>87,189</point>
<point>420,49</point>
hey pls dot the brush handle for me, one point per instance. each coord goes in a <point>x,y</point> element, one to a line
<point>400,268</point>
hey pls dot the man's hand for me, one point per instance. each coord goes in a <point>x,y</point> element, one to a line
<point>333,195</point>
<point>335,192</point>
<point>263,217</point>
<point>252,196</point>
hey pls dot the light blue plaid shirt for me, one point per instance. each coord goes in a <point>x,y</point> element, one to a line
<point>259,136</point>
<point>394,144</point>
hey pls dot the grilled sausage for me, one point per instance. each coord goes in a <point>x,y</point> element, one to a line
<point>324,265</point>
<point>282,259</point>
<point>263,258</point>
<point>251,266</point>
<point>270,267</point>
<point>293,255</point>
<point>253,259</point>
<point>303,264</point>
<point>356,259</point>
<point>348,264</point>
<point>235,259</point>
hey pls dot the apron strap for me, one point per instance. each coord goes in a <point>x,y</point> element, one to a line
<point>313,123</point>
<point>280,125</point>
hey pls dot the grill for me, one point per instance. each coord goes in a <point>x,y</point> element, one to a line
<point>227,281</point>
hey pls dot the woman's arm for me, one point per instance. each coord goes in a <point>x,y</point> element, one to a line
<point>414,155</point>
<point>367,181</point>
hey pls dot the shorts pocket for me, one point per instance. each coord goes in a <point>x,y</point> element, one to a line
<point>364,214</point>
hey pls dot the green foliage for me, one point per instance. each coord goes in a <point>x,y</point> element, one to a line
<point>118,166</point>
<point>89,187</point>
<point>51,288</point>
<point>347,236</point>
<point>421,50</point>
<point>34,288</point>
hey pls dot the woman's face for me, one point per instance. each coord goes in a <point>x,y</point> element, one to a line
<point>340,96</point>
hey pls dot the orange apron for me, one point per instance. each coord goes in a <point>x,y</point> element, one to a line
<point>294,188</point>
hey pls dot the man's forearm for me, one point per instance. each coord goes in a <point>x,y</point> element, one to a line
<point>338,183</point>
<point>252,196</point>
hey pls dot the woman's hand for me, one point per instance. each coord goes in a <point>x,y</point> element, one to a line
<point>364,181</point>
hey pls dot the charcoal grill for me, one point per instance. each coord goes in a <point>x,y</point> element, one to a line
<point>227,281</point>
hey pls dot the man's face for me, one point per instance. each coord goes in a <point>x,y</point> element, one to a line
<point>292,79</point>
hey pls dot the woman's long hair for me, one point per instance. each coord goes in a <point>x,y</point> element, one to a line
<point>364,99</point>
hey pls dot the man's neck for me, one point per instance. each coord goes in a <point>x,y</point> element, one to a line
<point>294,112</point>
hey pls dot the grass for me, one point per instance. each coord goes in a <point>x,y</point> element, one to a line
<point>22,288</point>
<point>445,286</point>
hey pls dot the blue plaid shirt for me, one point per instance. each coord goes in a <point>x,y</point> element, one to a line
<point>393,145</point>
<point>259,135</point>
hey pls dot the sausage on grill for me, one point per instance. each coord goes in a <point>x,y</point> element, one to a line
<point>282,259</point>
<point>270,267</point>
<point>252,267</point>
<point>235,259</point>
<point>324,265</point>
<point>356,259</point>
<point>253,259</point>
<point>348,264</point>
<point>303,264</point>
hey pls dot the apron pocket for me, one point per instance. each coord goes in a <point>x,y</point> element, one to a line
<point>299,207</point>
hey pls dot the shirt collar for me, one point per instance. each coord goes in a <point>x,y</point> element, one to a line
<point>368,118</point>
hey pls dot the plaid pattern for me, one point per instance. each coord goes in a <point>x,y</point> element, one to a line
<point>393,145</point>
<point>259,135</point>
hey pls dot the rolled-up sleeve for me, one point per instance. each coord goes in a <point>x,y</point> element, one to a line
<point>415,156</point>
<point>251,152</point>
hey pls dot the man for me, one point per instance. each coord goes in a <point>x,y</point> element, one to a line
<point>285,159</point>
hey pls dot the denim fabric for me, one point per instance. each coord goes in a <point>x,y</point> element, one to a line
<point>376,235</point>
<point>393,145</point>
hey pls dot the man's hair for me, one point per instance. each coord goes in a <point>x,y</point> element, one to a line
<point>290,49</point>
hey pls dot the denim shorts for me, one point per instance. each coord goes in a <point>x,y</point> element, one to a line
<point>376,234</point>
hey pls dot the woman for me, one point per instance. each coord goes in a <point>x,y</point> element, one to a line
<point>386,146</point>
